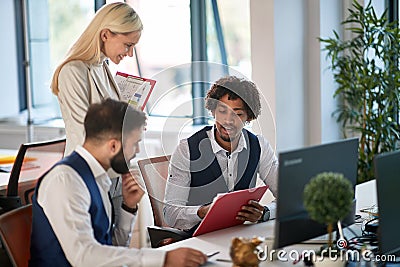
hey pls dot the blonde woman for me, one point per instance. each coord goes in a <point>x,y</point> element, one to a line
<point>83,78</point>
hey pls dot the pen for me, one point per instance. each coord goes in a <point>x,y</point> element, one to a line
<point>223,260</point>
<point>209,255</point>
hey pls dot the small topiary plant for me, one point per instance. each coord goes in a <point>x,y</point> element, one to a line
<point>328,198</point>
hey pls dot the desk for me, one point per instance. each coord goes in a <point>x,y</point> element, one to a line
<point>4,176</point>
<point>43,160</point>
<point>221,240</point>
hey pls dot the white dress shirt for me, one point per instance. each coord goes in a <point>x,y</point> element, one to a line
<point>65,200</point>
<point>176,213</point>
<point>80,85</point>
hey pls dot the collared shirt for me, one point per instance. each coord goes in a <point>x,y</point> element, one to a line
<point>176,213</point>
<point>65,200</point>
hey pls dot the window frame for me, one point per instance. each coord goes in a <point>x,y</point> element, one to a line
<point>198,51</point>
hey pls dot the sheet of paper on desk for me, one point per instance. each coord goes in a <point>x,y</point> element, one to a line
<point>6,168</point>
<point>28,164</point>
<point>135,90</point>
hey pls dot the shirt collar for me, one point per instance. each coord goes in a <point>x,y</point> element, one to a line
<point>102,58</point>
<point>217,148</point>
<point>94,165</point>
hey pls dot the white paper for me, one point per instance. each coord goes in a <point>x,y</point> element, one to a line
<point>133,90</point>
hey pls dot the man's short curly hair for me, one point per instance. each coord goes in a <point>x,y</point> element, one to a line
<point>236,88</point>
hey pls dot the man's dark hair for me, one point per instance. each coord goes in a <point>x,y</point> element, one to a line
<point>112,118</point>
<point>235,88</point>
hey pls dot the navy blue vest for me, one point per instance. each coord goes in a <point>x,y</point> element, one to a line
<point>45,248</point>
<point>206,175</point>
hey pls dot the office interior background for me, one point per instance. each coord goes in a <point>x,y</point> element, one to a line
<point>273,43</point>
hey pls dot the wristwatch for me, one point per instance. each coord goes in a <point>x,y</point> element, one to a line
<point>130,210</point>
<point>266,214</point>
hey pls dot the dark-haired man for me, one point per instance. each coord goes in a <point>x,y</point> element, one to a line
<point>72,213</point>
<point>221,158</point>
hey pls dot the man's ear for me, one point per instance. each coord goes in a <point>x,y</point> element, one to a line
<point>114,146</point>
<point>213,113</point>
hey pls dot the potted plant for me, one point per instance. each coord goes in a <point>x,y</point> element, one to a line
<point>328,198</point>
<point>366,70</point>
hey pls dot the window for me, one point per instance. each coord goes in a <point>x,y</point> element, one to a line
<point>164,53</point>
<point>50,24</point>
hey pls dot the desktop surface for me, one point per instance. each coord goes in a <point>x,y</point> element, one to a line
<point>4,176</point>
<point>221,240</point>
<point>41,162</point>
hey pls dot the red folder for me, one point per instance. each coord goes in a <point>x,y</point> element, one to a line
<point>223,211</point>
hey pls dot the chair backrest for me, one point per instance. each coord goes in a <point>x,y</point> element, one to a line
<point>31,162</point>
<point>155,173</point>
<point>15,233</point>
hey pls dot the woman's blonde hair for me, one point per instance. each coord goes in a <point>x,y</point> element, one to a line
<point>117,17</point>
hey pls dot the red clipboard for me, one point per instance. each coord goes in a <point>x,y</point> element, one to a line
<point>135,90</point>
<point>223,211</point>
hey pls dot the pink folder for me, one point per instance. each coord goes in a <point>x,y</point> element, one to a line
<point>223,211</point>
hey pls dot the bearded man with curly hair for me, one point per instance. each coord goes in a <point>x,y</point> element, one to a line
<point>221,158</point>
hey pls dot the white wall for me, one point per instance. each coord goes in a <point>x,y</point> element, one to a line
<point>290,44</point>
<point>331,13</point>
<point>290,69</point>
<point>261,20</point>
<point>8,68</point>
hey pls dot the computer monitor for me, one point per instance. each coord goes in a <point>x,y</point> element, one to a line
<point>296,168</point>
<point>387,172</point>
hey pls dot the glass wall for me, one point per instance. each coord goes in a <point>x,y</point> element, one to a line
<point>164,52</point>
<point>52,26</point>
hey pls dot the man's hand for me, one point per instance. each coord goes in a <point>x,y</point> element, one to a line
<point>184,257</point>
<point>131,190</point>
<point>202,211</point>
<point>251,212</point>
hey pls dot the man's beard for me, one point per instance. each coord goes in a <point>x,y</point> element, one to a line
<point>225,138</point>
<point>118,163</point>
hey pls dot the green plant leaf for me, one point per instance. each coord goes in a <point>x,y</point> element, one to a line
<point>366,71</point>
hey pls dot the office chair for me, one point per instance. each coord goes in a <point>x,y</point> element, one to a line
<point>15,233</point>
<point>155,173</point>
<point>32,161</point>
